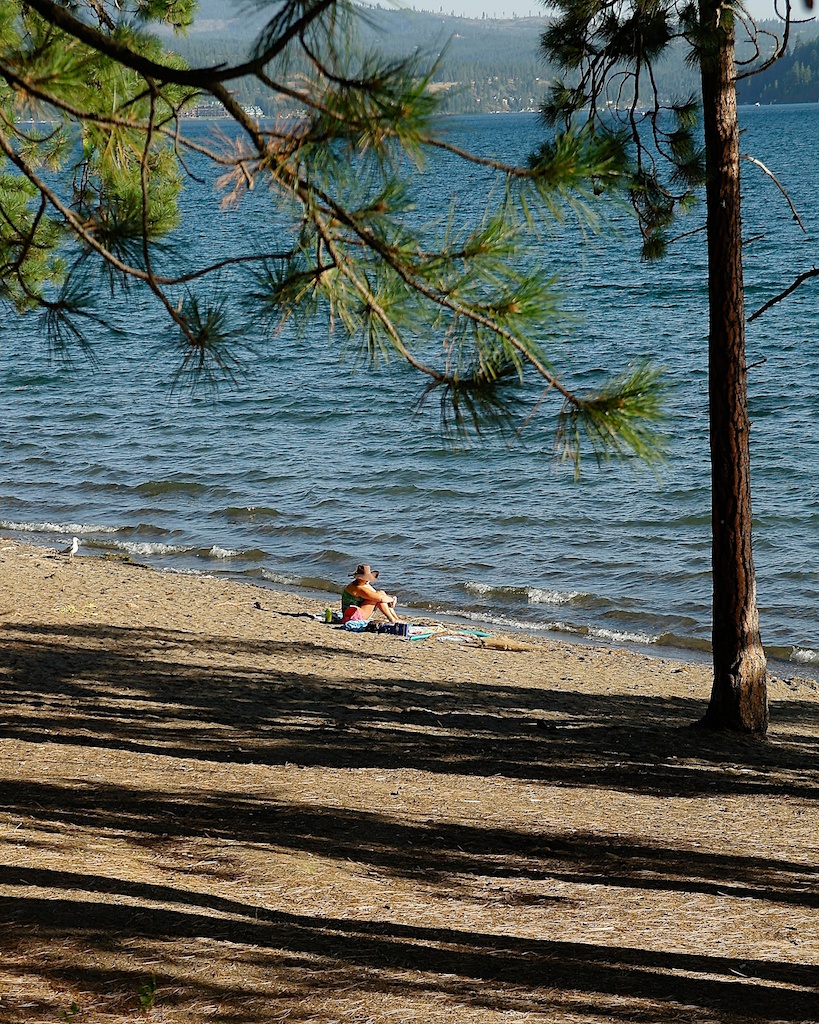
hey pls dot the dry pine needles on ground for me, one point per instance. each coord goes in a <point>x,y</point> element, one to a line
<point>215,811</point>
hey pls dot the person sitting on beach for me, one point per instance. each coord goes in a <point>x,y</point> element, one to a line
<point>360,599</point>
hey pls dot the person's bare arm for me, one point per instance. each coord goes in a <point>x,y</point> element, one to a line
<point>370,594</point>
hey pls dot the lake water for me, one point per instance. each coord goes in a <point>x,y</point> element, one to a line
<point>308,466</point>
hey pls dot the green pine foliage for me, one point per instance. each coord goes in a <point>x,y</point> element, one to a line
<point>607,54</point>
<point>617,422</point>
<point>95,153</point>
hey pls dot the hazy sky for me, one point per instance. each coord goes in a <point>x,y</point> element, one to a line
<point>521,8</point>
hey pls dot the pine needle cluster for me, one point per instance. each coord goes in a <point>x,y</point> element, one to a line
<point>95,155</point>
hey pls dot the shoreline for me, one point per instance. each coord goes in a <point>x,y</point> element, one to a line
<point>696,655</point>
<point>693,653</point>
<point>43,586</point>
<point>792,670</point>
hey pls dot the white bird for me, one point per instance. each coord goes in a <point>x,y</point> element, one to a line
<point>72,548</point>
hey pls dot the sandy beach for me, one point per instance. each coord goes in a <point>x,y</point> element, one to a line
<point>218,808</point>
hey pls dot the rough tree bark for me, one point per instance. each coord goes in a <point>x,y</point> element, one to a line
<point>739,692</point>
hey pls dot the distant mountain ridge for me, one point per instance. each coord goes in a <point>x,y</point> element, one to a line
<point>484,64</point>
<point>243,17</point>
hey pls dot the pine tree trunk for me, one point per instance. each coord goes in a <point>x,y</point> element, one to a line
<point>739,694</point>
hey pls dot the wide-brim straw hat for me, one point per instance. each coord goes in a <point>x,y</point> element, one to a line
<point>365,573</point>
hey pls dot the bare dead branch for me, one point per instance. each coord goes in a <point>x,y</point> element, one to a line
<point>780,45</point>
<point>779,185</point>
<point>687,234</point>
<point>814,272</point>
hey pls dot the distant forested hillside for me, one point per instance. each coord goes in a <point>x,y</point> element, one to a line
<point>793,79</point>
<point>483,65</point>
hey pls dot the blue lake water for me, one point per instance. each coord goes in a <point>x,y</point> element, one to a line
<point>308,465</point>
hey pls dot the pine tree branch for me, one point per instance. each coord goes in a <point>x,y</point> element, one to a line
<point>800,280</point>
<point>150,279</point>
<point>26,238</point>
<point>758,163</point>
<point>372,303</point>
<point>82,114</point>
<point>88,238</point>
<point>780,45</point>
<point>199,78</point>
<point>445,301</point>
<point>70,217</point>
<point>365,117</point>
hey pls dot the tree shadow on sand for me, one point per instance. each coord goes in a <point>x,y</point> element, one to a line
<point>436,852</point>
<point>492,970</point>
<point>95,686</point>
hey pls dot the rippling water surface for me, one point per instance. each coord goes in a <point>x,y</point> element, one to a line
<point>305,468</point>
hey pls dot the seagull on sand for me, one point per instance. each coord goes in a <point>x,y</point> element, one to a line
<point>72,548</point>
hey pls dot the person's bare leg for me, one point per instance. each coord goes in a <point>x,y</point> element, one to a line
<point>386,609</point>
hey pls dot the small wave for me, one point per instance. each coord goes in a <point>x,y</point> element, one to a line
<point>804,656</point>
<point>174,571</point>
<point>776,653</point>
<point>145,529</point>
<point>147,549</point>
<point>593,633</point>
<point>318,583</point>
<point>566,627</point>
<point>619,636</point>
<point>279,577</point>
<point>153,488</point>
<point>78,529</point>
<point>480,588</point>
<point>247,554</point>
<point>685,642</point>
<point>518,625</point>
<point>249,513</point>
<point>20,380</point>
<point>532,595</point>
<point>506,621</point>
<point>537,596</point>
